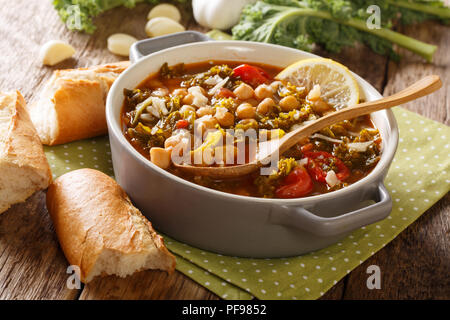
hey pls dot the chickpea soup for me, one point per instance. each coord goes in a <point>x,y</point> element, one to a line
<point>222,101</point>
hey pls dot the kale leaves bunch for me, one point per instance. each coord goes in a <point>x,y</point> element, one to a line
<point>79,14</point>
<point>335,24</point>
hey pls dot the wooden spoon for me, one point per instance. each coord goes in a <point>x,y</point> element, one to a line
<point>266,149</point>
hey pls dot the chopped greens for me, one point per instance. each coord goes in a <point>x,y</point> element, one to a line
<point>222,71</point>
<point>167,72</point>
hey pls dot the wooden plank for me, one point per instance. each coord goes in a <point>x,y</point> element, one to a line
<point>413,266</point>
<point>32,266</point>
<point>411,68</point>
<point>416,264</point>
<point>336,292</point>
<point>155,285</point>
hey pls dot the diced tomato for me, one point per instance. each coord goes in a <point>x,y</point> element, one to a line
<point>181,124</point>
<point>225,93</point>
<point>251,75</point>
<point>316,161</point>
<point>297,184</point>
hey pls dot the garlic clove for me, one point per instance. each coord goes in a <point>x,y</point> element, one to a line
<point>120,43</point>
<point>161,26</point>
<point>55,51</point>
<point>165,10</point>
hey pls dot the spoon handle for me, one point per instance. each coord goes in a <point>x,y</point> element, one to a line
<point>417,90</point>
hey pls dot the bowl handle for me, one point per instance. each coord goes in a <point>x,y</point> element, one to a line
<point>303,219</point>
<point>148,46</point>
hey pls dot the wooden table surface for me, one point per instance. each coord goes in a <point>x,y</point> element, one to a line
<point>413,266</point>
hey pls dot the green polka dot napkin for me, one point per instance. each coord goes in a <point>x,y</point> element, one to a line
<point>419,176</point>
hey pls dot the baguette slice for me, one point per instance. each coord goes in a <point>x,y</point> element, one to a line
<point>23,166</point>
<point>71,105</point>
<point>100,230</point>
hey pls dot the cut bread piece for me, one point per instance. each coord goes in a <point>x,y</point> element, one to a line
<point>100,230</point>
<point>23,166</point>
<point>71,105</point>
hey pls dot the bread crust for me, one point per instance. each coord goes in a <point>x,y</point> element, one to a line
<point>91,213</point>
<point>78,97</point>
<point>80,112</point>
<point>21,148</point>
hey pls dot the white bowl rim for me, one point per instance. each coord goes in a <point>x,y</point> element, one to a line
<point>387,155</point>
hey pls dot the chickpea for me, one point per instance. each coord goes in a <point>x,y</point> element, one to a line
<point>314,94</point>
<point>245,111</point>
<point>209,122</point>
<point>160,157</point>
<point>172,141</point>
<point>178,144</point>
<point>249,122</point>
<point>180,92</point>
<point>188,99</point>
<point>186,109</point>
<point>275,85</point>
<point>160,92</point>
<point>198,96</point>
<point>320,106</point>
<point>289,103</point>
<point>204,111</point>
<point>244,91</point>
<point>227,120</point>
<point>224,117</point>
<point>265,106</point>
<point>205,123</point>
<point>263,91</point>
<point>197,88</point>
<point>253,102</point>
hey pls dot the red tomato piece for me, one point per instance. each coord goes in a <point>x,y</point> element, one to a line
<point>251,74</point>
<point>307,147</point>
<point>317,159</point>
<point>225,93</point>
<point>297,184</point>
<point>181,124</point>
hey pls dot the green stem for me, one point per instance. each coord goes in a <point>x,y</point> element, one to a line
<point>442,12</point>
<point>423,49</point>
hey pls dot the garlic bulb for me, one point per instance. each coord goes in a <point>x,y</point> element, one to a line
<point>218,14</point>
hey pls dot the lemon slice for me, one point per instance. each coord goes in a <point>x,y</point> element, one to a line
<point>338,87</point>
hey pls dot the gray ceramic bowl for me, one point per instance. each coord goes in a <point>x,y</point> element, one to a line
<point>232,224</point>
